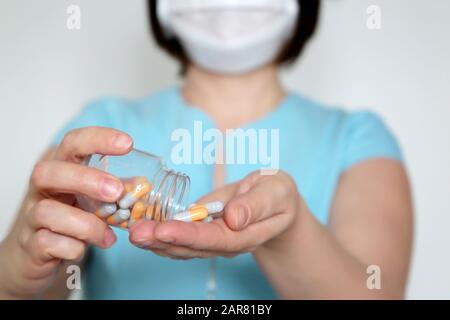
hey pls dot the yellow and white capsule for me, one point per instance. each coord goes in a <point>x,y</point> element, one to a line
<point>140,189</point>
<point>195,213</point>
<point>120,216</point>
<point>214,208</point>
<point>105,210</point>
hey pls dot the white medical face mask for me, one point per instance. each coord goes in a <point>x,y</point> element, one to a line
<point>230,36</point>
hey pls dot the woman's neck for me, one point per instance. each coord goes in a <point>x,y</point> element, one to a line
<point>234,100</point>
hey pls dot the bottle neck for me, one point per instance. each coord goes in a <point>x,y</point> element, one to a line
<point>170,192</point>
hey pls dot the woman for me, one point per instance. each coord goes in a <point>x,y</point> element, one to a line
<point>339,204</point>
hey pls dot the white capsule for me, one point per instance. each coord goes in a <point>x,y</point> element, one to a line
<point>120,216</point>
<point>106,209</point>
<point>127,201</point>
<point>214,207</point>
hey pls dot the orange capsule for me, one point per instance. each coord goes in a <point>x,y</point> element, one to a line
<point>137,212</point>
<point>124,225</point>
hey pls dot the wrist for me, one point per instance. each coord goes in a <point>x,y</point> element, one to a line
<point>4,288</point>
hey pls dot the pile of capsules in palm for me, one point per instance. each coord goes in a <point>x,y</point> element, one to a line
<point>136,204</point>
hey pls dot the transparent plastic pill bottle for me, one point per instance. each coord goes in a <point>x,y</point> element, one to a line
<point>151,190</point>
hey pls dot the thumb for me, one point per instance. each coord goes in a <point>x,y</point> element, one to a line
<point>265,199</point>
<point>257,204</point>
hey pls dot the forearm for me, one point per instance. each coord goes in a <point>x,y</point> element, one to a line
<point>307,262</point>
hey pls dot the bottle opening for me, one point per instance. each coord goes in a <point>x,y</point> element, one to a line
<point>170,193</point>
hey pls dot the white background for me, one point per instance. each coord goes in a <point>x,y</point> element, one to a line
<point>401,71</point>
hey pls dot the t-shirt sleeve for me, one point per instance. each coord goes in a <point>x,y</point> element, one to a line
<point>93,114</point>
<point>368,137</point>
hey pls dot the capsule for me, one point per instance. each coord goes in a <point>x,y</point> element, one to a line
<point>214,207</point>
<point>138,212</point>
<point>140,190</point>
<point>194,213</point>
<point>120,216</point>
<point>105,210</point>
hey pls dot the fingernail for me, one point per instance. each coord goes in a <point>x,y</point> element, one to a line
<point>242,217</point>
<point>110,238</point>
<point>111,188</point>
<point>143,243</point>
<point>122,141</point>
<point>163,236</point>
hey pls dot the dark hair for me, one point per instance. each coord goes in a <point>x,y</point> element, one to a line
<point>304,30</point>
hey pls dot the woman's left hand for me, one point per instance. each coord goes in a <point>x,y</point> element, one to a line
<point>259,210</point>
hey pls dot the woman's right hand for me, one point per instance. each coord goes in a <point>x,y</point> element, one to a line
<point>50,228</point>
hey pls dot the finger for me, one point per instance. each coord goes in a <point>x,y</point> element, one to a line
<point>182,253</point>
<point>142,235</point>
<point>79,143</point>
<point>266,198</point>
<point>70,221</point>
<point>215,236</point>
<point>45,246</point>
<point>66,177</point>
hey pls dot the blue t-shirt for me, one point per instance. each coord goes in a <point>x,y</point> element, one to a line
<point>316,145</point>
